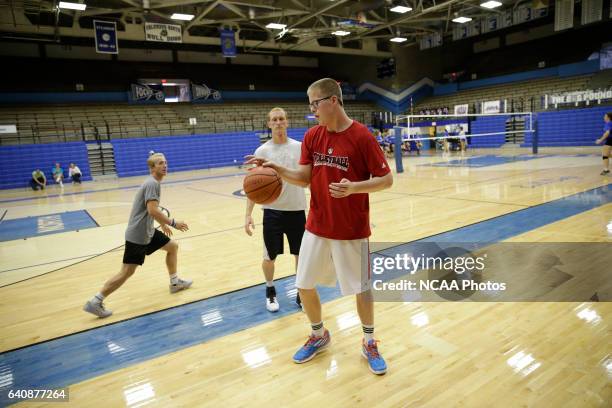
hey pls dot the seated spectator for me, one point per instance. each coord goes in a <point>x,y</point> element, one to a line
<point>38,180</point>
<point>74,173</point>
<point>58,174</point>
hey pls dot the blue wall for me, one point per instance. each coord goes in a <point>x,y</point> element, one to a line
<point>184,152</point>
<point>19,161</point>
<point>575,127</point>
<point>488,124</point>
<point>189,152</point>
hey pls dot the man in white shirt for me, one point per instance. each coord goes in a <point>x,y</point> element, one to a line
<point>286,215</point>
<point>74,173</point>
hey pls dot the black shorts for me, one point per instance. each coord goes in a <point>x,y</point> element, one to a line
<point>134,254</point>
<point>609,141</point>
<point>275,224</point>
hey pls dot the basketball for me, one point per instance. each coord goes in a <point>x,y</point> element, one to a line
<point>262,185</point>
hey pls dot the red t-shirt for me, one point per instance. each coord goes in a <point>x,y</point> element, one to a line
<point>353,154</point>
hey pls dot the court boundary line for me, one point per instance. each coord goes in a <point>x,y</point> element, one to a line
<point>100,254</point>
<point>92,218</point>
<point>288,276</point>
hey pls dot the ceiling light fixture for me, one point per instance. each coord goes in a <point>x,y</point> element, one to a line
<point>462,20</point>
<point>400,9</point>
<point>341,33</point>
<point>72,6</point>
<point>490,4</point>
<point>398,39</point>
<point>179,16</point>
<point>276,26</point>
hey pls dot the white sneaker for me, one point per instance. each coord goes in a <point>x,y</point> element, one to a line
<point>97,309</point>
<point>271,302</point>
<point>182,284</point>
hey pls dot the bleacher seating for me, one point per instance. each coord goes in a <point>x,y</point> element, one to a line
<point>488,124</point>
<point>575,127</point>
<point>18,162</point>
<point>184,152</point>
<point>517,91</point>
<point>53,123</point>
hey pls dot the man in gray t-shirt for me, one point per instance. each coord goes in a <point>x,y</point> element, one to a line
<point>142,239</point>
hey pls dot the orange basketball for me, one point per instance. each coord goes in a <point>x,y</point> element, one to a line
<point>262,185</point>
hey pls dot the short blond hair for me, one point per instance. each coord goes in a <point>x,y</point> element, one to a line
<point>328,87</point>
<point>277,109</point>
<point>153,158</point>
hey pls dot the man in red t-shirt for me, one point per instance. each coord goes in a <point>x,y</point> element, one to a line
<point>342,162</point>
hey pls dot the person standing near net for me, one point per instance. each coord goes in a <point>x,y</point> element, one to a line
<point>606,139</point>
<point>142,239</point>
<point>342,163</point>
<point>286,215</point>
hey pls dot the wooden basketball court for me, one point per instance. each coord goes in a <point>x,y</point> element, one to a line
<point>440,354</point>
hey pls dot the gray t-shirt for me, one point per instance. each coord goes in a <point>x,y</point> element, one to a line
<point>140,226</point>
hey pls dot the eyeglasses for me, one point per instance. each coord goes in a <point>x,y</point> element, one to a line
<point>315,104</point>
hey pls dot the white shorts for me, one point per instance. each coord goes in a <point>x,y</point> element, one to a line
<point>323,260</point>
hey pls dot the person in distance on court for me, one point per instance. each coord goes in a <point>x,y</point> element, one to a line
<point>606,150</point>
<point>58,174</point>
<point>38,180</point>
<point>142,239</point>
<point>462,139</point>
<point>342,163</point>
<point>287,214</point>
<point>74,173</point>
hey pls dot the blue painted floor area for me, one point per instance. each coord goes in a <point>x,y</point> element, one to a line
<point>78,357</point>
<point>45,224</point>
<point>485,161</point>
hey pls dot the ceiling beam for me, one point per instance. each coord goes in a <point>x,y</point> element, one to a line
<point>202,14</point>
<point>408,18</point>
<point>319,12</point>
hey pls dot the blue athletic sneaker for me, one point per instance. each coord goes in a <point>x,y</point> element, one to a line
<point>313,346</point>
<point>370,352</point>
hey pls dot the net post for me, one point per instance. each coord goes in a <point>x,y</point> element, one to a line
<point>534,137</point>
<point>397,141</point>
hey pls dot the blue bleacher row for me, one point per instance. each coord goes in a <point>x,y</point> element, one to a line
<point>575,127</point>
<point>488,124</point>
<point>579,127</point>
<point>19,161</point>
<point>183,153</point>
<point>189,152</point>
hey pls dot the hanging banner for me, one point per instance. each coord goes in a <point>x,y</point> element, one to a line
<point>203,92</point>
<point>228,43</point>
<point>106,37</point>
<point>462,109</point>
<point>163,32</point>
<point>430,41</point>
<point>142,92</point>
<point>491,107</point>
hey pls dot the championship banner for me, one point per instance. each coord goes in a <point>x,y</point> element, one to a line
<point>163,32</point>
<point>106,37</point>
<point>142,92</point>
<point>203,92</point>
<point>228,43</point>
<point>462,109</point>
<point>430,41</point>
